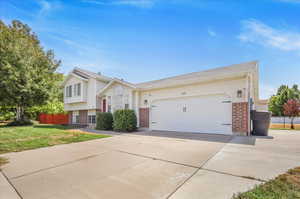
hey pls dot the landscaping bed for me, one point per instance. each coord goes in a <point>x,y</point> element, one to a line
<point>285,186</point>
<point>13,139</point>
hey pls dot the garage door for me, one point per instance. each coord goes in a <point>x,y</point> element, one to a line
<point>205,114</point>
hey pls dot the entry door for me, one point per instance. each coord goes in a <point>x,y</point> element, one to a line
<point>104,105</point>
<point>205,114</point>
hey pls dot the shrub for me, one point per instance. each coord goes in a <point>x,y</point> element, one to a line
<point>125,120</point>
<point>25,122</point>
<point>104,121</point>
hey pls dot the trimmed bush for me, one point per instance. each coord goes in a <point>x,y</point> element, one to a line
<point>104,121</point>
<point>20,123</point>
<point>125,120</point>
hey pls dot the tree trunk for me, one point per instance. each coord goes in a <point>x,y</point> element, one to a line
<point>283,121</point>
<point>292,123</point>
<point>20,113</point>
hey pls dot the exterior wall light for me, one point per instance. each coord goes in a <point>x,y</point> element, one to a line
<point>239,94</point>
<point>145,102</point>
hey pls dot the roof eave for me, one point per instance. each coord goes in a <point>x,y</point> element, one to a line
<point>216,78</point>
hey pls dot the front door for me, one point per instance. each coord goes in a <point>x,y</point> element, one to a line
<point>104,105</point>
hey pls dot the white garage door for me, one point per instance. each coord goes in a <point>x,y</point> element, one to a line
<point>205,114</point>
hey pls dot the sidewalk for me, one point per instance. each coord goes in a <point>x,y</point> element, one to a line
<point>6,190</point>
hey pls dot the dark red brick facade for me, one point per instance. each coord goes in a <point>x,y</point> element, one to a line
<point>240,118</point>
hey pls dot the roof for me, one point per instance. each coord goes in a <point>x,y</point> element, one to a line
<point>116,80</point>
<point>85,75</point>
<point>202,76</point>
<point>231,71</point>
<point>91,74</point>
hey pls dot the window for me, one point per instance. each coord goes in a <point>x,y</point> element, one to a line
<point>92,119</point>
<point>78,89</point>
<point>75,117</point>
<point>69,91</point>
<point>126,106</point>
<point>126,101</point>
<point>75,91</point>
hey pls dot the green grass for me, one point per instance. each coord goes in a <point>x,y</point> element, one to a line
<point>13,139</point>
<point>285,186</point>
<point>285,129</point>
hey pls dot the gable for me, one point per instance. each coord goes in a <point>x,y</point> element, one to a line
<point>116,89</point>
<point>73,77</point>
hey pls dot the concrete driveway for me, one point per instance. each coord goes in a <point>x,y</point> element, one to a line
<point>152,165</point>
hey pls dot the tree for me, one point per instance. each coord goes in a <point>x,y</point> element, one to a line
<point>27,71</point>
<point>292,110</point>
<point>284,93</point>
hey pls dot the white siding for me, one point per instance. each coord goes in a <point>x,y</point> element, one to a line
<point>90,89</point>
<point>226,87</point>
<point>83,96</point>
<point>120,95</point>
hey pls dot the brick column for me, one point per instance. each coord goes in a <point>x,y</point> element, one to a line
<point>240,118</point>
<point>144,117</point>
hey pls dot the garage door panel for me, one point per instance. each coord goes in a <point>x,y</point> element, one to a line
<point>207,114</point>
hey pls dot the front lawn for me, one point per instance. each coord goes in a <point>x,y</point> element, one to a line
<point>13,139</point>
<point>285,186</point>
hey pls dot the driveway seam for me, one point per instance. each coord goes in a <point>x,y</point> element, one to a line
<point>56,166</point>
<point>245,177</point>
<point>11,184</point>
<point>193,174</point>
<point>153,158</point>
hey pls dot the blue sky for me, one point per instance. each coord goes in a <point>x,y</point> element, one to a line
<point>141,40</point>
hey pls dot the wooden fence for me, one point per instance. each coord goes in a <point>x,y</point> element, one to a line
<point>53,118</point>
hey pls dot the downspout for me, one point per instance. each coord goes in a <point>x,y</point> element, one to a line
<point>137,110</point>
<point>249,85</point>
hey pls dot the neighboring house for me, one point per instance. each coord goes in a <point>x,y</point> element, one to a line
<point>213,101</point>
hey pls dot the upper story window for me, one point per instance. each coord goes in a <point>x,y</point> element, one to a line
<point>69,91</point>
<point>77,89</point>
<point>73,90</point>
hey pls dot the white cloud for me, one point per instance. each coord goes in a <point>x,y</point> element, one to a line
<point>135,3</point>
<point>211,33</point>
<point>257,32</point>
<point>47,6</point>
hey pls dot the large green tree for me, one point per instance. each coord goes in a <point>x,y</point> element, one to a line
<point>27,71</point>
<point>284,93</point>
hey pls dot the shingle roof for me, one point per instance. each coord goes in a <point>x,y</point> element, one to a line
<point>91,74</point>
<point>207,75</point>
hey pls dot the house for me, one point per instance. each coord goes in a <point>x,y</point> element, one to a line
<point>213,101</point>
